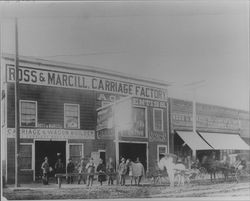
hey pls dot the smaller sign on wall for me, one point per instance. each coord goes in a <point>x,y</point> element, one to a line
<point>52,133</point>
<point>104,119</point>
<point>148,103</point>
<point>105,134</point>
<point>157,137</point>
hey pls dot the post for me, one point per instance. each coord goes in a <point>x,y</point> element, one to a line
<point>116,143</point>
<point>17,113</point>
<point>194,118</point>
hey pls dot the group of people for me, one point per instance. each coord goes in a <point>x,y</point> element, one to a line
<point>85,170</point>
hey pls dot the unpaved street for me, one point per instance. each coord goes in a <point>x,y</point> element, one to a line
<point>220,190</point>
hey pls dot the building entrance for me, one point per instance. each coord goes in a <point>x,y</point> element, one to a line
<point>53,150</point>
<point>134,150</point>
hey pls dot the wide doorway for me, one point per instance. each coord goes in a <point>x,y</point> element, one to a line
<point>134,150</point>
<point>53,150</point>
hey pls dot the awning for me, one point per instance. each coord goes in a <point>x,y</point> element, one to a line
<point>193,140</point>
<point>225,141</point>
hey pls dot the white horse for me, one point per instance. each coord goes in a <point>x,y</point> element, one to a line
<point>173,170</point>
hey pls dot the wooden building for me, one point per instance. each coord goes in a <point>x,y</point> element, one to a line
<point>62,112</point>
<point>218,129</point>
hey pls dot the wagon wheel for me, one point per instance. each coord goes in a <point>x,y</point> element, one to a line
<point>202,172</point>
<point>242,175</point>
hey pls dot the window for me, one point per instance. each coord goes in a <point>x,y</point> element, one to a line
<point>26,156</point>
<point>71,116</point>
<point>28,114</point>
<point>158,119</point>
<point>75,152</point>
<point>139,121</point>
<point>161,150</point>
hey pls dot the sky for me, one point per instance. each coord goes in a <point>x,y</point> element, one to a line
<point>181,42</point>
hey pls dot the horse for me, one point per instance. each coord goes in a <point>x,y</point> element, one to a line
<point>136,171</point>
<point>214,166</point>
<point>172,170</point>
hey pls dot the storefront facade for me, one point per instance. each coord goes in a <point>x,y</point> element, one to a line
<point>218,129</point>
<point>61,113</point>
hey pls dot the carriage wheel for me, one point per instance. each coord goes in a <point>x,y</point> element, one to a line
<point>242,175</point>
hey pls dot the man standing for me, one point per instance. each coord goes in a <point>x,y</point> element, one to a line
<point>59,167</point>
<point>70,170</point>
<point>45,169</point>
<point>90,167</point>
<point>81,170</point>
<point>122,171</point>
<point>111,171</point>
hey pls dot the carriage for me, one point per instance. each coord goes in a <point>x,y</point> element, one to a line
<point>212,167</point>
<point>229,169</point>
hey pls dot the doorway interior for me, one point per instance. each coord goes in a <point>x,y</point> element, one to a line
<point>51,150</point>
<point>134,150</point>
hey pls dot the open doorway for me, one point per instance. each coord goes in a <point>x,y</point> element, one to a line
<point>134,150</point>
<point>51,149</point>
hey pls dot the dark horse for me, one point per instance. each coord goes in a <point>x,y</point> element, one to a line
<point>214,166</point>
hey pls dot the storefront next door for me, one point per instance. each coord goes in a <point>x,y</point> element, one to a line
<point>134,150</point>
<point>51,149</point>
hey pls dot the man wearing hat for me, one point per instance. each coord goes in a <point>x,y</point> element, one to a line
<point>122,170</point>
<point>45,168</point>
<point>70,170</point>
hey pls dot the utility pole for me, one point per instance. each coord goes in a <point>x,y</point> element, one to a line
<point>194,117</point>
<point>17,112</point>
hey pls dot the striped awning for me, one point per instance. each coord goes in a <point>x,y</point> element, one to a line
<point>193,140</point>
<point>225,141</point>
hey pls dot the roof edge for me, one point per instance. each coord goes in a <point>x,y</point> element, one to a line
<point>92,69</point>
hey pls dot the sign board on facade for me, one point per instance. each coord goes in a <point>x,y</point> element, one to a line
<point>52,133</point>
<point>104,118</point>
<point>78,81</point>
<point>148,103</point>
<point>205,121</point>
<point>157,137</point>
<point>208,117</point>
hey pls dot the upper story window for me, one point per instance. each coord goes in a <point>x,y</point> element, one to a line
<point>71,116</point>
<point>28,113</point>
<point>139,121</point>
<point>158,119</point>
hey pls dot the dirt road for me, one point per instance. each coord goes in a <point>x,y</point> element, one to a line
<point>240,190</point>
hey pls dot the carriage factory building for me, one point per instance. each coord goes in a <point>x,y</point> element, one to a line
<point>81,111</point>
<point>65,109</point>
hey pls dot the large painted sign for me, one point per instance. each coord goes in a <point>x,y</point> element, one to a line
<point>52,133</point>
<point>208,117</point>
<point>77,81</point>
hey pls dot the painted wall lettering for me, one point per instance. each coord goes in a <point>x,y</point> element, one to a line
<point>62,79</point>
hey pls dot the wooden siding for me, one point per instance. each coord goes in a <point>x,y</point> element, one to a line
<point>50,103</point>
